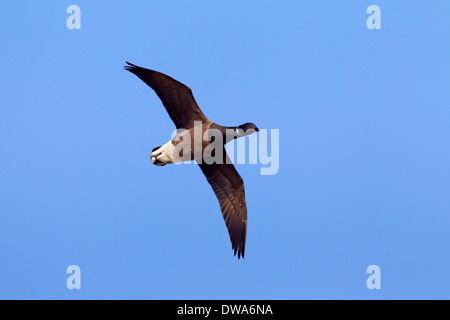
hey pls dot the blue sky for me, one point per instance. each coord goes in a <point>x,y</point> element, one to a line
<point>364,175</point>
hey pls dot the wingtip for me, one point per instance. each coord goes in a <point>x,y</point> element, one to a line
<point>130,66</point>
<point>239,250</point>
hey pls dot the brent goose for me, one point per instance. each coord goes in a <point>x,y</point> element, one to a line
<point>226,182</point>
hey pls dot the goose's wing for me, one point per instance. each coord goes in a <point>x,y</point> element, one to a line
<point>229,189</point>
<point>176,97</point>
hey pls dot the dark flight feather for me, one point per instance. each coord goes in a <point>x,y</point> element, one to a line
<point>176,97</point>
<point>229,189</point>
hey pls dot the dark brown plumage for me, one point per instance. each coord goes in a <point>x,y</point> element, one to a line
<point>224,179</point>
<point>229,189</point>
<point>176,97</point>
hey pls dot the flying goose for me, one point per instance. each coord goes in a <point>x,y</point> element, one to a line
<point>223,177</point>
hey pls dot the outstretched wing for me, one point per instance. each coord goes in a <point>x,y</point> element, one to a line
<point>176,97</point>
<point>229,189</point>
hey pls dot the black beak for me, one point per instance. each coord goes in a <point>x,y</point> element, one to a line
<point>257,129</point>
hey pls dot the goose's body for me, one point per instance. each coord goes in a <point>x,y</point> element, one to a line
<point>190,121</point>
